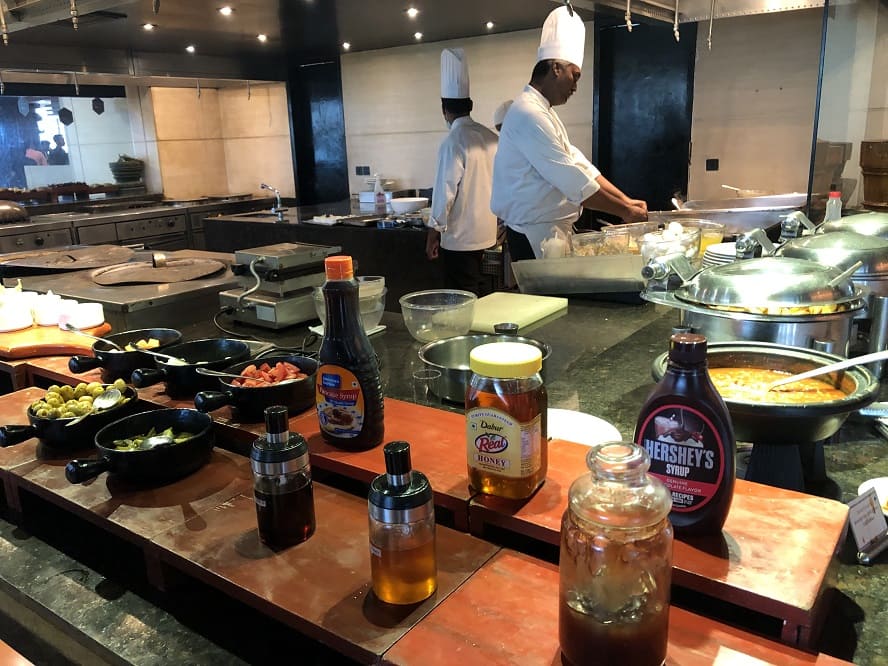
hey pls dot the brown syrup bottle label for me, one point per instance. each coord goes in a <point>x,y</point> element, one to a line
<point>687,454</point>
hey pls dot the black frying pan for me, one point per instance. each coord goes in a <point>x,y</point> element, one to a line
<point>181,380</point>
<point>157,465</point>
<point>121,364</point>
<point>251,401</point>
<point>56,432</point>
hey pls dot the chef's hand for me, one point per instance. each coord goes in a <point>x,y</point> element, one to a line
<point>639,204</point>
<point>433,242</point>
<point>635,213</point>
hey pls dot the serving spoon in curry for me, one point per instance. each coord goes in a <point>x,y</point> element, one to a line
<point>831,367</point>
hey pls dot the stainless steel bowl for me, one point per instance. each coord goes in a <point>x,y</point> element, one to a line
<point>868,224</point>
<point>451,358</point>
<point>764,423</point>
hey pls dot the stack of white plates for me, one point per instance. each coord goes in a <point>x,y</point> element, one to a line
<point>719,254</point>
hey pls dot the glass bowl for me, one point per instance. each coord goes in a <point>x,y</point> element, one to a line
<point>672,240</point>
<point>435,314</point>
<point>710,232</point>
<point>370,300</point>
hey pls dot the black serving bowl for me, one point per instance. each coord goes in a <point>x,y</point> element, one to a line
<point>116,364</point>
<point>771,423</point>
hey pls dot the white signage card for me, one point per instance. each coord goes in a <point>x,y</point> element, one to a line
<point>867,520</point>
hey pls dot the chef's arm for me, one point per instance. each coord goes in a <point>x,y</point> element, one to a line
<point>609,199</point>
<point>451,167</point>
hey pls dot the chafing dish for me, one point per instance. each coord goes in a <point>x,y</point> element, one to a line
<point>843,249</point>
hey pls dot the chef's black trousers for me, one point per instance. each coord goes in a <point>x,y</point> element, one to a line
<point>519,247</point>
<point>462,270</point>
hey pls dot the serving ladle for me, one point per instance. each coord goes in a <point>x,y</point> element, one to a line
<point>105,401</point>
<point>831,367</point>
<point>73,329</point>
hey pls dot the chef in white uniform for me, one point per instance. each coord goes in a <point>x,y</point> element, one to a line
<point>540,180</point>
<point>500,114</point>
<point>461,225</point>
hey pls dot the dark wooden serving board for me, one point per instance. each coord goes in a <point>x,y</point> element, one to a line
<point>144,272</point>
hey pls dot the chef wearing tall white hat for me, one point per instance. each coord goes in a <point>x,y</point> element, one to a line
<point>540,180</point>
<point>461,225</point>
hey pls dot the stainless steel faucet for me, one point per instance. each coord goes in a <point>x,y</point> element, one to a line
<point>277,208</point>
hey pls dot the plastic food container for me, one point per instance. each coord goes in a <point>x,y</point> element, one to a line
<point>615,239</point>
<point>710,232</point>
<point>438,313</point>
<point>672,240</point>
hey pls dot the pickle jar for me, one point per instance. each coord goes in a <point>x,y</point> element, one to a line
<point>616,561</point>
<point>403,564</point>
<point>506,442</point>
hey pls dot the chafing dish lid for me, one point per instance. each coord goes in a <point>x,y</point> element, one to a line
<point>841,249</point>
<point>868,224</point>
<point>768,282</point>
<point>11,211</point>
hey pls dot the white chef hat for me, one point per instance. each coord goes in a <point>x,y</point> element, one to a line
<point>563,38</point>
<point>500,114</point>
<point>454,74</point>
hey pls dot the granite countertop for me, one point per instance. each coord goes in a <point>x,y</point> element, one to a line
<point>600,365</point>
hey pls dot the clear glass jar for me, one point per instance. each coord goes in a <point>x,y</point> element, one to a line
<point>616,562</point>
<point>506,441</point>
<point>403,563</point>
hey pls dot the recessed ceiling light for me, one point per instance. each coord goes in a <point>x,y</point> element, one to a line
<point>489,25</point>
<point>226,10</point>
<point>262,37</point>
<point>346,46</point>
<point>148,27</point>
<point>191,48</point>
<point>417,35</point>
<point>412,12</point>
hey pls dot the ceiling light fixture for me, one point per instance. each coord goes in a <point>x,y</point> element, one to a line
<point>148,27</point>
<point>262,37</point>
<point>489,25</point>
<point>412,12</point>
<point>417,36</point>
<point>226,10</point>
<point>191,48</point>
<point>346,46</point>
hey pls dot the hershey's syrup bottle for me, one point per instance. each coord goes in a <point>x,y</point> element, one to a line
<point>348,392</point>
<point>686,430</point>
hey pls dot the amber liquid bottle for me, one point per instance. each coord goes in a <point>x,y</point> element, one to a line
<point>686,430</point>
<point>349,397</point>
<point>506,405</point>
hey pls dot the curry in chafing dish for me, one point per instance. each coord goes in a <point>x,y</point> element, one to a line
<point>751,384</point>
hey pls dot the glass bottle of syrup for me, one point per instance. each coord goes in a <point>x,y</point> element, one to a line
<point>615,566</point>
<point>686,430</point>
<point>348,394</point>
<point>402,530</point>
<point>282,485</point>
<point>506,442</point>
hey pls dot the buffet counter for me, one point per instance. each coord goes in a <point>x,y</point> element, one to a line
<point>600,365</point>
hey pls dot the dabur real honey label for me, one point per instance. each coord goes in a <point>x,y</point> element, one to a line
<point>340,402</point>
<point>498,443</point>
<point>687,454</point>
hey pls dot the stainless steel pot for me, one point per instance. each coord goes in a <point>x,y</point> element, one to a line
<point>764,423</point>
<point>868,224</point>
<point>450,357</point>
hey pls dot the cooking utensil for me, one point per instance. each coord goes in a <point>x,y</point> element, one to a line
<point>217,373</point>
<point>250,402</point>
<point>182,380</point>
<point>56,433</point>
<point>831,367</point>
<point>158,463</point>
<point>73,329</point>
<point>451,358</point>
<point>105,401</point>
<point>776,424</point>
<point>117,364</point>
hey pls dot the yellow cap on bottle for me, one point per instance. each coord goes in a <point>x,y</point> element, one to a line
<point>506,360</point>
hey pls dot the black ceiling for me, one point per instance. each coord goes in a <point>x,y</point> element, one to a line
<point>301,29</point>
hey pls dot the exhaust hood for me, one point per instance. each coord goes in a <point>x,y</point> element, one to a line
<point>691,11</point>
<point>23,14</point>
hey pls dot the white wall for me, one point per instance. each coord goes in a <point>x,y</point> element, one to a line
<point>392,101</point>
<point>754,96</point>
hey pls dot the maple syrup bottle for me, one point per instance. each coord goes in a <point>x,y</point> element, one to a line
<point>686,430</point>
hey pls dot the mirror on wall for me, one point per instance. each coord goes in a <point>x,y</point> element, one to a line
<point>47,140</point>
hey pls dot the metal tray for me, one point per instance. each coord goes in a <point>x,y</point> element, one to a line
<point>607,274</point>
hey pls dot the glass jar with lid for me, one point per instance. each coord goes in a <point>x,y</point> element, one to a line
<point>506,402</point>
<point>616,561</point>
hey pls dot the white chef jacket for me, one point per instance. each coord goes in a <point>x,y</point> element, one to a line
<point>539,177</point>
<point>461,197</point>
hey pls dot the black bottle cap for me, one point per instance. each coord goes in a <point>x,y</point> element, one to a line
<point>505,328</point>
<point>277,420</point>
<point>265,451</point>
<point>687,348</point>
<point>397,458</point>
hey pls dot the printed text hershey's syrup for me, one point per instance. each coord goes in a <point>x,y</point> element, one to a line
<point>686,430</point>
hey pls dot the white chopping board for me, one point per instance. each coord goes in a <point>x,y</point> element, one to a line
<point>521,309</point>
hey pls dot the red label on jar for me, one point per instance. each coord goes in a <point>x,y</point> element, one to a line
<point>687,454</point>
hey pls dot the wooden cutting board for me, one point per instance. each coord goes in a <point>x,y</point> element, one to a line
<point>175,270</point>
<point>521,309</point>
<point>48,341</point>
